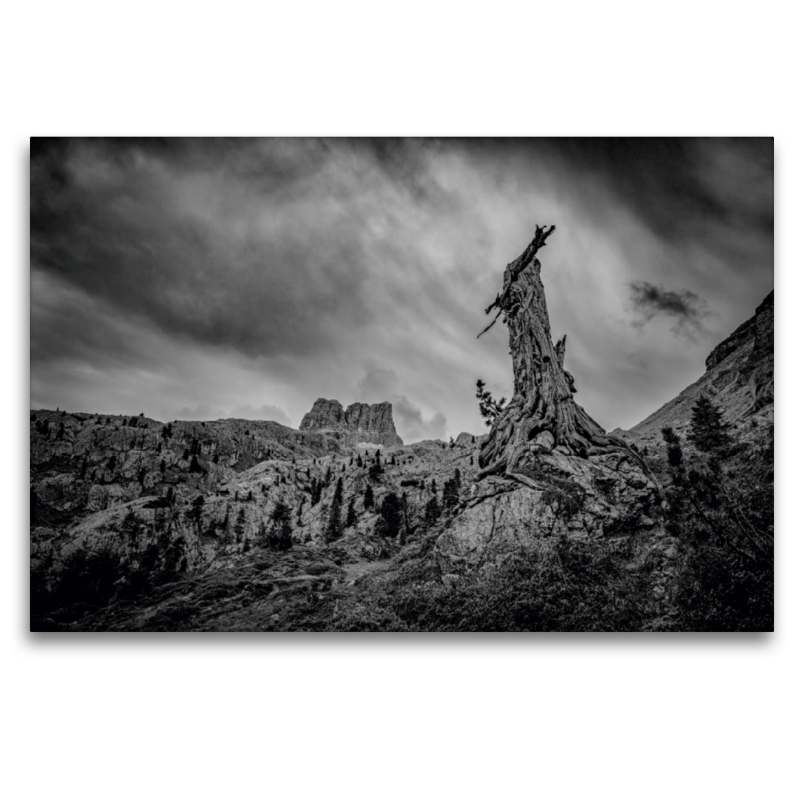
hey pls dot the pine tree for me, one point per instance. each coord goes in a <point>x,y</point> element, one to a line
<point>196,510</point>
<point>333,529</point>
<point>450,494</point>
<point>238,528</point>
<point>369,498</point>
<point>674,450</point>
<point>709,432</point>
<point>351,514</point>
<point>392,513</point>
<point>280,534</point>
<point>432,511</point>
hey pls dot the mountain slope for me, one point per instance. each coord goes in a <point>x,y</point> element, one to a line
<point>739,378</point>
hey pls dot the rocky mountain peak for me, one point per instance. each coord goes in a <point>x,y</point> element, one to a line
<point>759,329</point>
<point>359,422</point>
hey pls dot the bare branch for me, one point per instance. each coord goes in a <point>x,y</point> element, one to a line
<point>490,324</point>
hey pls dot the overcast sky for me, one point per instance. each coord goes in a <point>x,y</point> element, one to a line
<point>199,279</point>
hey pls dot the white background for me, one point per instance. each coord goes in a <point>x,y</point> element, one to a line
<point>583,716</point>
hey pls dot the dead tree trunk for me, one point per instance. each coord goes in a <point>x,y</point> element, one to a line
<point>542,411</point>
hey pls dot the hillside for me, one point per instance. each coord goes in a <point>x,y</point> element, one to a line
<point>156,502</point>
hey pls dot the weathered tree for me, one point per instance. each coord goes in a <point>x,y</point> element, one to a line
<point>542,410</point>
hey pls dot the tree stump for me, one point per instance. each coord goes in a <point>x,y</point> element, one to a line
<point>543,390</point>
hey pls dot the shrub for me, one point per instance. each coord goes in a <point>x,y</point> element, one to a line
<point>571,586</point>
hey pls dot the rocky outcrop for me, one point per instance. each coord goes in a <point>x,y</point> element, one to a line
<point>359,423</point>
<point>760,366</point>
<point>741,337</point>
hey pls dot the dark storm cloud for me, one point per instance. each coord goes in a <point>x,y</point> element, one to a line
<point>684,309</point>
<point>703,198</point>
<point>677,184</point>
<point>209,274</point>
<point>176,234</point>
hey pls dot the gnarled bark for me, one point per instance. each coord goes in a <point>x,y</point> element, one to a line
<point>543,389</point>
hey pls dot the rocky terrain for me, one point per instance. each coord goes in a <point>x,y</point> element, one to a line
<point>545,523</point>
<point>167,500</point>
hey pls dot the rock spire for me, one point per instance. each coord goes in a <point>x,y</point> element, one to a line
<point>360,422</point>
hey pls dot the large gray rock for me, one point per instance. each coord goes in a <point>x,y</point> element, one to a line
<point>359,423</point>
<point>560,495</point>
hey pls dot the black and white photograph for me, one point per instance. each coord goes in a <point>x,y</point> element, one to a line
<point>391,401</point>
<point>401,384</point>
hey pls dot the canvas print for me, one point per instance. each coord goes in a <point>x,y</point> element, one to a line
<point>401,385</point>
